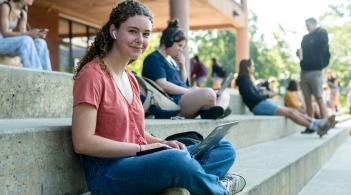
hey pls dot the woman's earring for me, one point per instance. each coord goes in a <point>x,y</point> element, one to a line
<point>114,35</point>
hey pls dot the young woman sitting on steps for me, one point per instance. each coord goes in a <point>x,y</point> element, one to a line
<point>108,122</point>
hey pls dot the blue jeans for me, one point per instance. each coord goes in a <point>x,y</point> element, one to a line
<point>153,173</point>
<point>34,53</point>
<point>265,107</point>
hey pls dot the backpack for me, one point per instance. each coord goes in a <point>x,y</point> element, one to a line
<point>156,102</point>
<point>188,138</point>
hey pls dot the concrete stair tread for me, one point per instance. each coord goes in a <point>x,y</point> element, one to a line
<point>334,177</point>
<point>283,166</point>
<point>248,132</point>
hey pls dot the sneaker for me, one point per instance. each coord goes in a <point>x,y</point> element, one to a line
<point>325,125</point>
<point>308,131</point>
<point>226,113</point>
<point>233,183</point>
<point>213,113</point>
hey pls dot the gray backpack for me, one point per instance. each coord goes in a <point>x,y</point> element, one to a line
<point>156,102</point>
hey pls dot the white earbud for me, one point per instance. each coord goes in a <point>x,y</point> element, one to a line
<point>114,34</point>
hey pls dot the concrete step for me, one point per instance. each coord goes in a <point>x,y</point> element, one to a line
<point>284,166</point>
<point>334,177</point>
<point>27,93</point>
<point>251,129</point>
<point>37,156</point>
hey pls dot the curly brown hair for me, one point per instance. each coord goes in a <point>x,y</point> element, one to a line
<point>103,41</point>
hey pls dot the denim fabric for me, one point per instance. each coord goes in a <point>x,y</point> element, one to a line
<point>265,107</point>
<point>34,53</point>
<point>153,173</point>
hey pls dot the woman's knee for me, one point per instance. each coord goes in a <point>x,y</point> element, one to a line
<point>183,163</point>
<point>41,43</point>
<point>27,42</point>
<point>209,93</point>
<point>227,149</point>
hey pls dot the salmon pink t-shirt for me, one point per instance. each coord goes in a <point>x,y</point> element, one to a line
<point>116,118</point>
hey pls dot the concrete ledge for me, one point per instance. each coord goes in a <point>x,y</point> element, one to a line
<point>284,166</point>
<point>251,129</point>
<point>27,93</point>
<point>39,160</point>
<point>236,103</point>
<point>37,156</point>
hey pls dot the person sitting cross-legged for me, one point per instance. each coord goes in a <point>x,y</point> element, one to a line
<point>166,66</point>
<point>259,105</point>
<point>108,125</point>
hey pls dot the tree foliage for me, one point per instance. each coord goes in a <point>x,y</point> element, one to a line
<point>338,23</point>
<point>219,44</point>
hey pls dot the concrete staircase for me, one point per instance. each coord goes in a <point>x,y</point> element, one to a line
<point>36,154</point>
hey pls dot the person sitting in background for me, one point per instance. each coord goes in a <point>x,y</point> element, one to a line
<point>28,44</point>
<point>260,105</point>
<point>293,99</point>
<point>166,66</point>
<point>218,74</point>
<point>198,72</point>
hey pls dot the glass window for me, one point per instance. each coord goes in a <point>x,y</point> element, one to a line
<point>74,41</point>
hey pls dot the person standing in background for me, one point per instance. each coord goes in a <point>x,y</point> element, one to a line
<point>334,87</point>
<point>198,72</point>
<point>314,58</point>
<point>349,96</point>
<point>218,74</point>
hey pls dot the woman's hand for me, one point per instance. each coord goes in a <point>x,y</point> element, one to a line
<point>43,32</point>
<point>152,146</point>
<point>34,33</point>
<point>174,144</point>
<point>180,59</point>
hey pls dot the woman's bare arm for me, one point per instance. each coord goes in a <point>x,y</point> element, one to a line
<point>170,87</point>
<point>22,24</point>
<point>86,142</point>
<point>4,24</point>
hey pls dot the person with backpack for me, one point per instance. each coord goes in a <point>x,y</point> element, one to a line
<point>166,66</point>
<point>28,44</point>
<point>108,122</point>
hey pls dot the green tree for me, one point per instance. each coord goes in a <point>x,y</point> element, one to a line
<point>219,44</point>
<point>337,22</point>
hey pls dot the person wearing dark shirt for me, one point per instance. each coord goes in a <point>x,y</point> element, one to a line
<point>314,58</point>
<point>218,74</point>
<point>166,66</point>
<point>198,72</point>
<point>260,105</point>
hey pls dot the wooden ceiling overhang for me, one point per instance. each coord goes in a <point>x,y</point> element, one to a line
<point>203,14</point>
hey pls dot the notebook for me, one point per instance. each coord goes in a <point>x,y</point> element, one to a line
<point>212,139</point>
<point>226,83</point>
